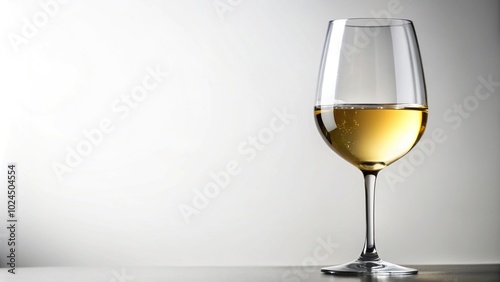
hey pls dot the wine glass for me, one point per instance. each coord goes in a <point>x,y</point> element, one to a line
<point>371,109</point>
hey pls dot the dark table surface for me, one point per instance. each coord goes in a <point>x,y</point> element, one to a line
<point>442,273</point>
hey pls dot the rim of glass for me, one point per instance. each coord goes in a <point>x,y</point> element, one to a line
<point>373,22</point>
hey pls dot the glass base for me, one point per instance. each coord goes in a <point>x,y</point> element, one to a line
<point>359,267</point>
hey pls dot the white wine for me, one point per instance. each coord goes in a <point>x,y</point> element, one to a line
<point>371,136</point>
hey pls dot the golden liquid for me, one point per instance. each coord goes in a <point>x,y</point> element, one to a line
<point>371,136</point>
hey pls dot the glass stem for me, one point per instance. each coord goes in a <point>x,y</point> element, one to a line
<point>369,252</point>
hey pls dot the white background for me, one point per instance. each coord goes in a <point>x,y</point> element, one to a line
<point>229,67</point>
